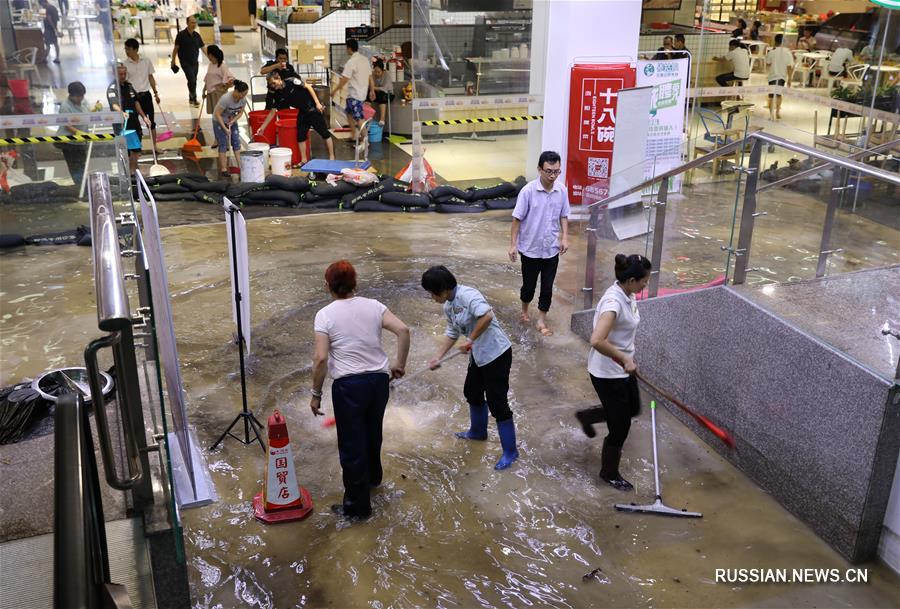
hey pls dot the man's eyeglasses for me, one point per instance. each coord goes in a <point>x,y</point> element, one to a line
<point>552,172</point>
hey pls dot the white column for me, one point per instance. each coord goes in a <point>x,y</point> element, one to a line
<point>563,30</point>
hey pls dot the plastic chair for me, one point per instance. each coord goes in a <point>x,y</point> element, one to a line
<point>71,26</point>
<point>855,75</point>
<point>719,133</point>
<point>162,27</point>
<point>23,61</point>
<point>803,66</point>
<point>758,56</point>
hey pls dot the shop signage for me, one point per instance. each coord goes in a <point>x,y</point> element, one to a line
<point>593,96</point>
<point>269,41</point>
<point>888,3</point>
<point>669,79</point>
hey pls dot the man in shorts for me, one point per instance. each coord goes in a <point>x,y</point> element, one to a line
<point>778,62</point>
<point>357,77</point>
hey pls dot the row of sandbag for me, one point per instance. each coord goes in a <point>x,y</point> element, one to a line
<point>80,235</point>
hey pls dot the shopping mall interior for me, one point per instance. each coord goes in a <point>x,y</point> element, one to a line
<point>178,175</point>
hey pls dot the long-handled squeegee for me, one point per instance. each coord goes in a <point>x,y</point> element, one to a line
<point>657,507</point>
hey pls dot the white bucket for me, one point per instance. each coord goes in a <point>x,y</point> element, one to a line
<point>264,148</point>
<point>280,159</point>
<point>252,167</point>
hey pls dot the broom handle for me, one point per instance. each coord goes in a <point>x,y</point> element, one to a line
<point>199,116</point>
<point>446,358</point>
<point>712,427</point>
<point>655,459</point>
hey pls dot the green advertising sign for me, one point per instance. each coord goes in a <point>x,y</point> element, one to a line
<point>888,3</point>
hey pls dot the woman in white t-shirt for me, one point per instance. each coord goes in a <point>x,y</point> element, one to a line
<point>348,347</point>
<point>611,364</point>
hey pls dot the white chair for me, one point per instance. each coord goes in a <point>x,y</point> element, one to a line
<point>71,27</point>
<point>162,28</point>
<point>758,56</point>
<point>24,61</point>
<point>803,66</point>
<point>855,75</point>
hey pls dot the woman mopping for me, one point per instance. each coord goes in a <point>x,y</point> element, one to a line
<point>611,364</point>
<point>228,110</point>
<point>487,379</point>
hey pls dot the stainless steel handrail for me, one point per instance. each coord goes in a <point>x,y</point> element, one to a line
<point>817,168</point>
<point>112,300</point>
<point>114,316</point>
<point>771,139</point>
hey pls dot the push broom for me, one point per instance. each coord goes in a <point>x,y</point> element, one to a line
<point>657,507</point>
<point>193,145</point>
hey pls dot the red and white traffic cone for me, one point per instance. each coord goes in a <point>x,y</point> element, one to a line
<point>282,499</point>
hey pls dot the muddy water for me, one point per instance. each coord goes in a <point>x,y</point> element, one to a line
<point>447,530</point>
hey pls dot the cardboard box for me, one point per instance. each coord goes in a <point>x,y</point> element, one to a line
<point>305,14</point>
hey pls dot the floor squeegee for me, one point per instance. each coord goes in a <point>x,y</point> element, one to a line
<point>657,507</point>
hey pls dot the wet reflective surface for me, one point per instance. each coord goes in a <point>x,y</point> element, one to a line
<point>447,530</point>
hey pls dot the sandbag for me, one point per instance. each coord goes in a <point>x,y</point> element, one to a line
<point>197,186</point>
<point>174,178</point>
<point>519,183</point>
<point>236,191</point>
<point>417,210</point>
<point>62,238</point>
<point>327,191</point>
<point>332,203</point>
<point>174,196</point>
<point>292,184</point>
<point>445,192</point>
<point>500,203</point>
<point>167,189</point>
<point>11,240</point>
<point>375,206</point>
<point>406,199</point>
<point>371,193</point>
<point>460,208</point>
<point>282,198</point>
<point>310,197</point>
<point>504,189</point>
<point>215,198</point>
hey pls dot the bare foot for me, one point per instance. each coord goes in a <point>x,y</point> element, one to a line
<point>545,331</point>
<point>524,318</point>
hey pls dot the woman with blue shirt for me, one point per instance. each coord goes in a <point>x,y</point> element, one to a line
<point>611,364</point>
<point>487,379</point>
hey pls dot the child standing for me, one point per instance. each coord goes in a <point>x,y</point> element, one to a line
<point>487,379</point>
<point>228,110</point>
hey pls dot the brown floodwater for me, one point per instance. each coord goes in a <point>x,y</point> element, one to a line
<point>447,530</point>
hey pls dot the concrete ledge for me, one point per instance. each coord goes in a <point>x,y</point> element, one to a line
<point>812,427</point>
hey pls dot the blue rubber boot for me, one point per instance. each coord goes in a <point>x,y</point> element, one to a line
<point>478,417</point>
<point>507,431</point>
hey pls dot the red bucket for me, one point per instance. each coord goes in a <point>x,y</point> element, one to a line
<point>287,133</point>
<point>257,118</point>
<point>18,87</point>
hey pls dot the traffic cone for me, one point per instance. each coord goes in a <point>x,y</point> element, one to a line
<point>282,499</point>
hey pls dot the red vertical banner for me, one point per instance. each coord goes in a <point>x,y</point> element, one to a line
<point>593,96</point>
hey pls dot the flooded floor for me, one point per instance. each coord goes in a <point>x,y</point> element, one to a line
<point>447,530</point>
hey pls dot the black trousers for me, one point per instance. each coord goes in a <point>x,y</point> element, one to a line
<point>490,383</point>
<point>724,79</point>
<point>145,99</point>
<point>531,268</point>
<point>190,72</point>
<point>76,158</point>
<point>621,400</point>
<point>359,402</point>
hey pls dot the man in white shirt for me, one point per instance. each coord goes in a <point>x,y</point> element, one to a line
<point>837,66</point>
<point>140,75</point>
<point>358,75</point>
<point>779,61</point>
<point>740,64</point>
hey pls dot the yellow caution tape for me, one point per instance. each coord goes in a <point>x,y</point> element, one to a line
<point>486,119</point>
<point>55,139</point>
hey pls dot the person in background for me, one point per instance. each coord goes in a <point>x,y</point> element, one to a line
<point>218,78</point>
<point>348,347</point>
<point>665,51</point>
<point>188,44</point>
<point>75,153</point>
<point>295,93</point>
<point>840,58</point>
<point>251,7</point>
<point>807,42</point>
<point>140,75</point>
<point>279,64</point>
<point>51,28</point>
<point>611,365</point>
<point>741,31</point>
<point>228,110</point>
<point>779,61</point>
<point>384,89</point>
<point>755,30</point>
<point>357,77</point>
<point>490,358</point>
<point>122,97</point>
<point>740,64</point>
<point>680,50</point>
<point>541,213</point>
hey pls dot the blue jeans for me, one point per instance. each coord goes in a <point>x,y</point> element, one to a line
<point>222,136</point>
<point>359,402</point>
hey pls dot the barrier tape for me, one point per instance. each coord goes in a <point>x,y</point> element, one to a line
<point>88,137</point>
<point>429,103</point>
<point>487,119</point>
<point>30,121</point>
